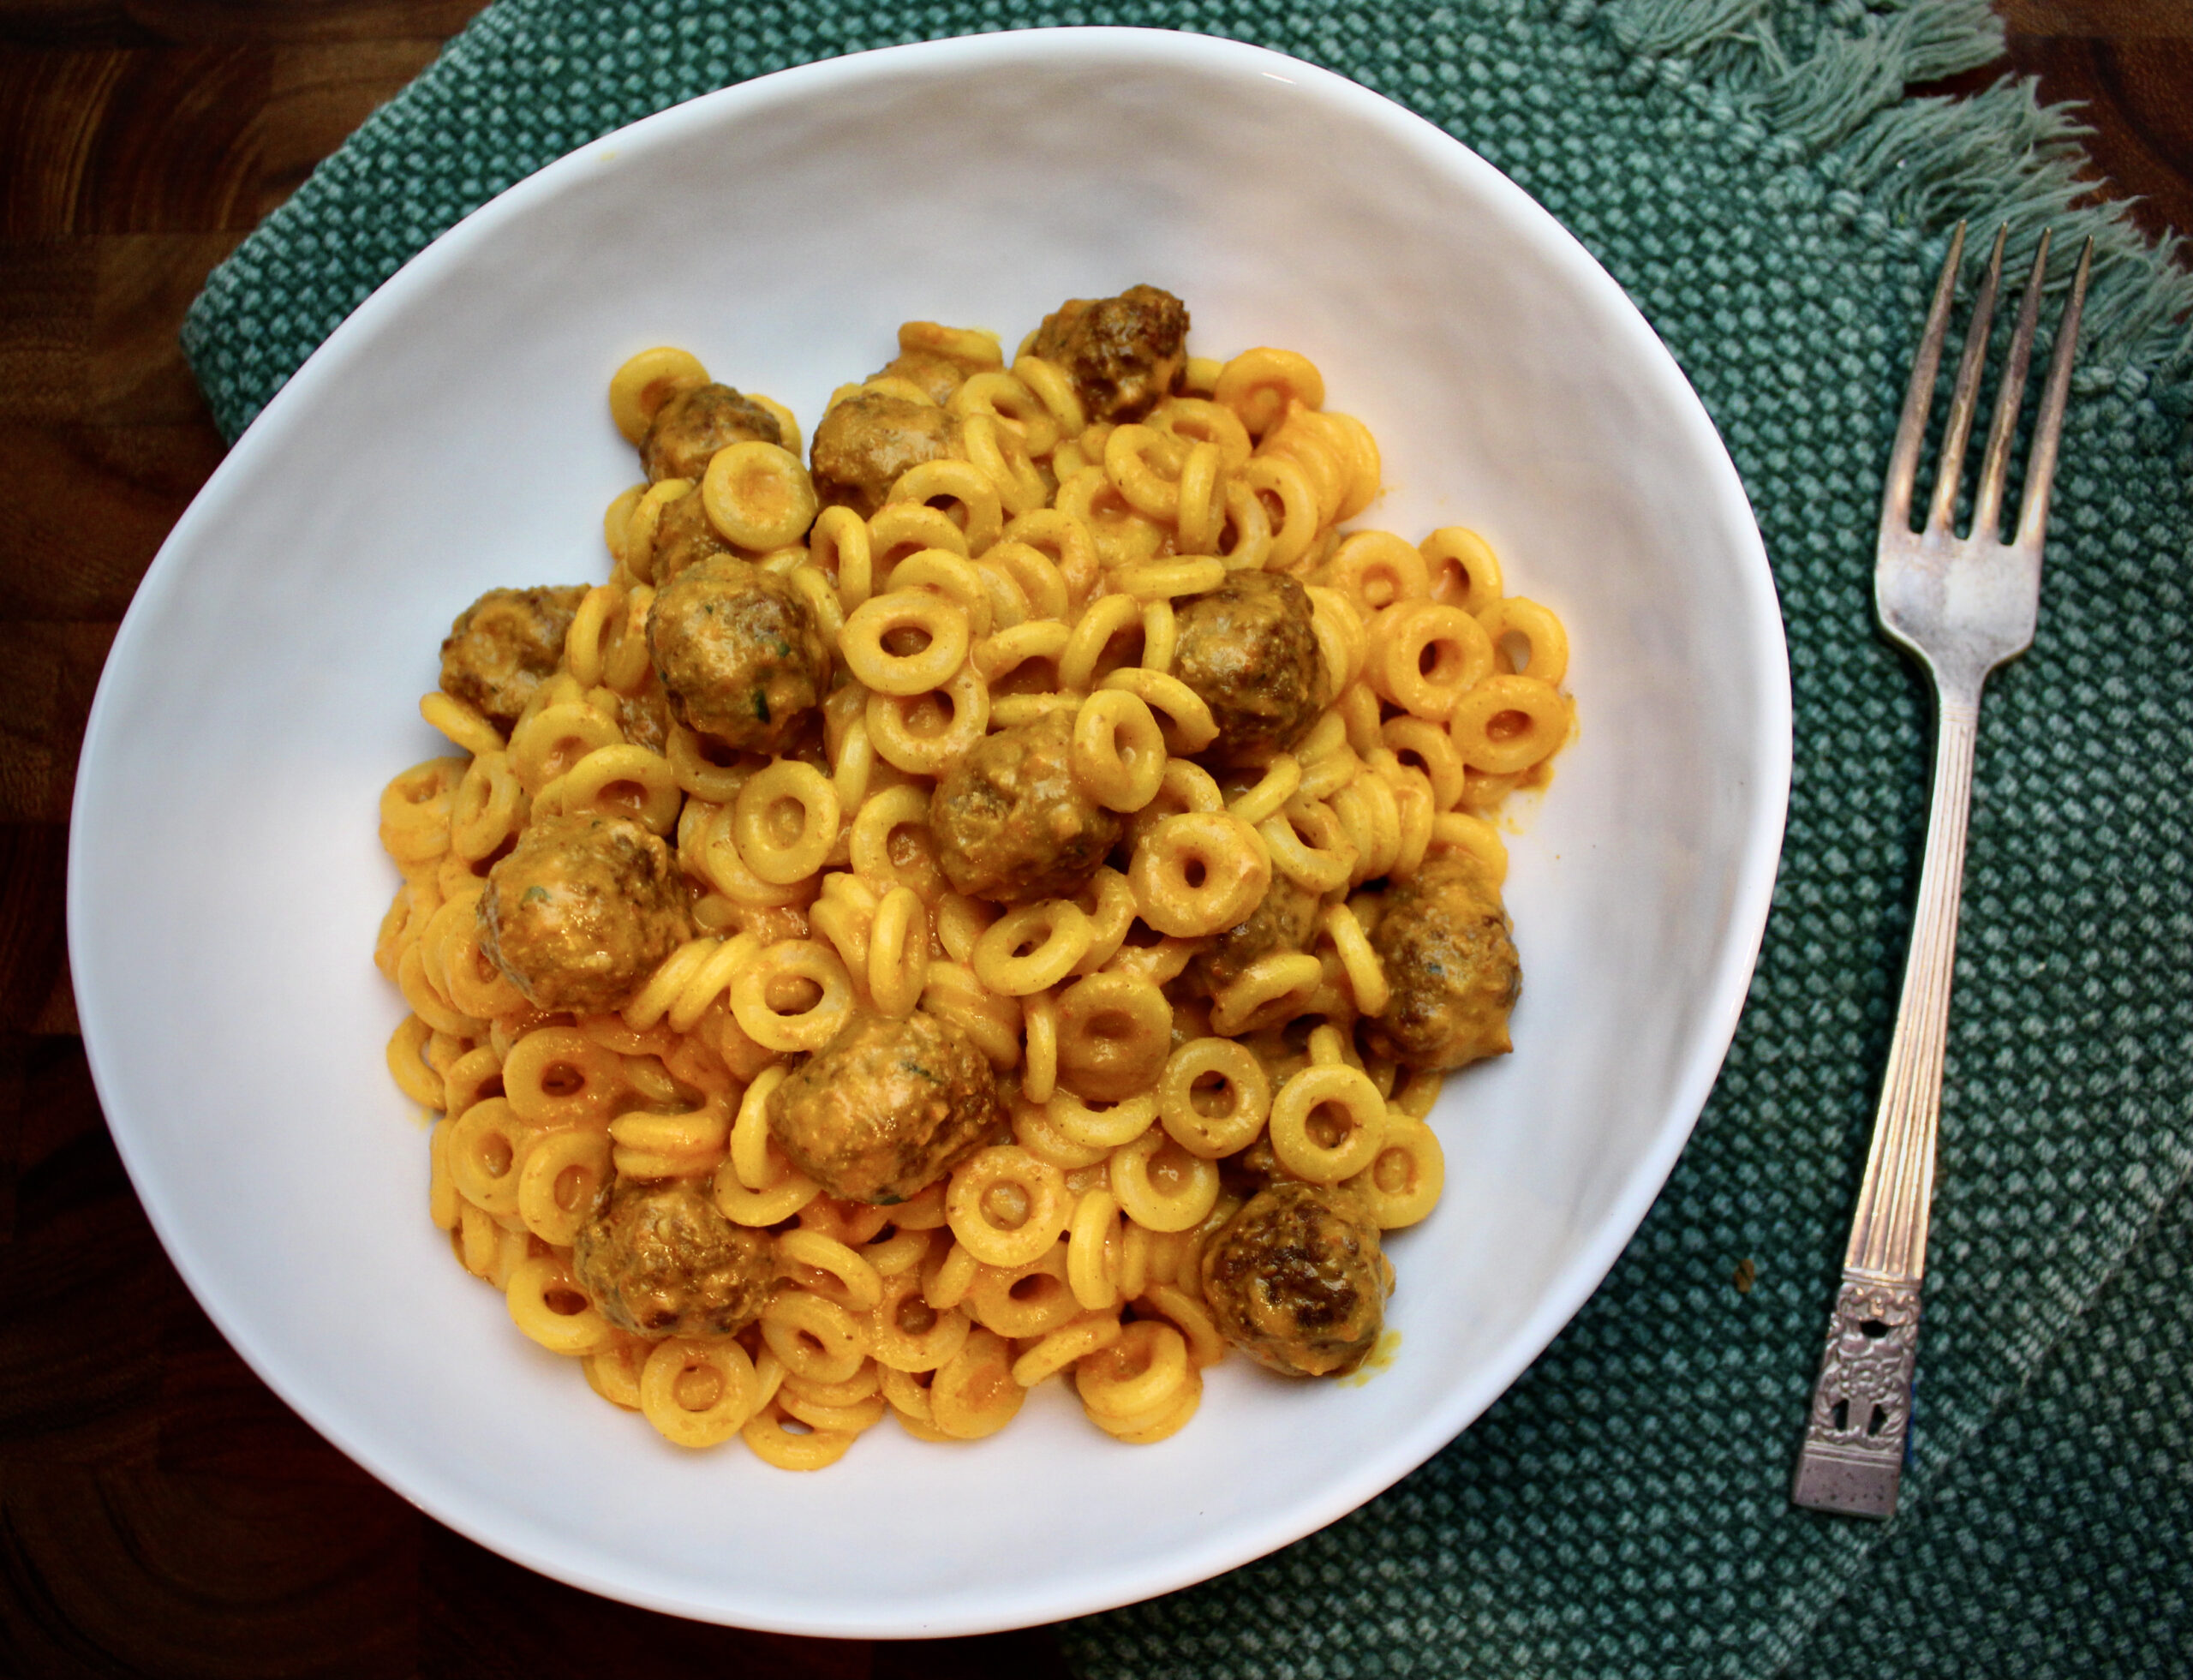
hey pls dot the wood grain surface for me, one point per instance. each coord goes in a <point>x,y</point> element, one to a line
<point>161,1512</point>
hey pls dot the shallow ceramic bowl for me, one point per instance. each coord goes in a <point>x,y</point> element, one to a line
<point>453,435</point>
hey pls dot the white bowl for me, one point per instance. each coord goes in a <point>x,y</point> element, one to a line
<point>452,435</point>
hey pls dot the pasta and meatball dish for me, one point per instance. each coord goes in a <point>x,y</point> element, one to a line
<point>989,896</point>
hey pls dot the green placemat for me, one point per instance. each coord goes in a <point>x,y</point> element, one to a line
<point>1751,172</point>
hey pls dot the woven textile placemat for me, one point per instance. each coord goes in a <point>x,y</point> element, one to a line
<point>1752,173</point>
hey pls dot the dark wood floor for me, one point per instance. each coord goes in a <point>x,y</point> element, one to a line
<point>160,1512</point>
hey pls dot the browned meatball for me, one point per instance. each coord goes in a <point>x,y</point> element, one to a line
<point>887,1107</point>
<point>685,538</point>
<point>1443,942</point>
<point>503,647</point>
<point>658,1259</point>
<point>938,376</point>
<point>644,716</point>
<point>1248,648</point>
<point>1296,1280</point>
<point>695,424</point>
<point>868,440</point>
<point>1283,920</point>
<point>1123,354</point>
<point>739,651</point>
<point>1013,825</point>
<point>582,911</point>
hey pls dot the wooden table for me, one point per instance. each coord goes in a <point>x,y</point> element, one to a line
<point>160,1511</point>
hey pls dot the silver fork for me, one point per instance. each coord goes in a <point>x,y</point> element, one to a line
<point>1960,606</point>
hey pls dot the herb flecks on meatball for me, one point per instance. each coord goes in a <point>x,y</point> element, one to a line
<point>1443,942</point>
<point>740,653</point>
<point>1012,824</point>
<point>1124,354</point>
<point>865,442</point>
<point>658,1259</point>
<point>1296,1280</point>
<point>1249,648</point>
<point>887,1107</point>
<point>692,426</point>
<point>582,911</point>
<point>504,646</point>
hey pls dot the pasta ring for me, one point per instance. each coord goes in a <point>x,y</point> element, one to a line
<point>973,1394</point>
<point>757,495</point>
<point>1198,873</point>
<point>1189,713</point>
<point>547,1303</point>
<point>897,953</point>
<point>1114,1033</point>
<point>813,1337</point>
<point>644,382</point>
<point>838,545</point>
<point>1321,864</point>
<point>1543,636</point>
<point>1118,752</point>
<point>1402,1183</point>
<point>1425,656</point>
<point>1025,1300</point>
<point>756,993</point>
<point>925,734</point>
<point>982,517</point>
<point>1259,385</point>
<point>557,1076</point>
<point>981,1189</point>
<point>1487,740</point>
<point>1245,1085</point>
<point>1059,934</point>
<point>1374,569</point>
<point>624,781</point>
<point>1100,623</point>
<point>1101,1128</point>
<point>557,1187</point>
<point>1181,1200</point>
<point>758,827</point>
<point>1271,990</point>
<point>898,1346</point>
<point>1335,1085</point>
<point>860,1287</point>
<point>1071,1342</point>
<point>880,855</point>
<point>486,1150</point>
<point>1464,571</point>
<point>717,1374</point>
<point>1461,832</point>
<point>1147,1367</point>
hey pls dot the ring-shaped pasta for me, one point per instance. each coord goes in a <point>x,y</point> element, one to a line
<point>1055,389</point>
<point>1118,751</point>
<point>759,830</point>
<point>1200,522</point>
<point>1271,990</point>
<point>624,781</point>
<point>1193,726</point>
<point>1057,537</point>
<point>1304,438</point>
<point>488,808</point>
<point>1464,571</point>
<point>1101,622</point>
<point>554,738</point>
<point>1289,489</point>
<point>1161,1185</point>
<point>626,664</point>
<point>877,857</point>
<point>1461,832</point>
<point>486,1152</point>
<point>1025,1300</point>
<point>1035,1130</point>
<point>1105,1128</point>
<point>1295,1111</point>
<point>1092,1240</point>
<point>1432,751</point>
<point>547,1303</point>
<point>1545,640</point>
<point>897,953</point>
<point>838,544</point>
<point>1034,573</point>
<point>991,1020</point>
<point>757,495</point>
<point>1121,532</point>
<point>1375,570</point>
<point>584,643</point>
<point>1004,456</point>
<point>1507,724</point>
<point>475,985</point>
<point>797,1401</point>
<point>1424,656</point>
<point>1259,385</point>
<point>905,1333</point>
<point>635,543</point>
<point>1031,949</point>
<point>1108,901</point>
<point>1402,1183</point>
<point>1282,780</point>
<point>859,1286</point>
<point>1366,976</point>
<point>767,1438</point>
<point>698,1393</point>
<point>1244,1093</point>
<point>750,1132</point>
<point>644,382</point>
<point>973,1394</point>
<point>563,1172</point>
<point>416,805</point>
<point>902,615</point>
<point>697,774</point>
<point>925,734</point>
<point>1198,873</point>
<point>557,1076</point>
<point>1195,420</point>
<point>953,576</point>
<point>1370,816</point>
<point>999,1183</point>
<point>1145,1369</point>
<point>1250,526</point>
<point>1168,579</point>
<point>1143,465</point>
<point>1006,398</point>
<point>688,1143</point>
<point>813,1337</point>
<point>982,511</point>
<point>407,1065</point>
<point>999,656</point>
<point>616,520</point>
<point>464,727</point>
<point>779,1022</point>
<point>1114,1033</point>
<point>716,850</point>
<point>1320,864</point>
<point>975,348</point>
<point>763,1208</point>
<point>1071,1342</point>
<point>1207,1344</point>
<point>1160,636</point>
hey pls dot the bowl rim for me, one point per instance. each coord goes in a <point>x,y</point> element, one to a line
<point>1752,882</point>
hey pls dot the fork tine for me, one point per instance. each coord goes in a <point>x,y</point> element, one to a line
<point>1966,396</point>
<point>2048,426</point>
<point>1919,397</point>
<point>1987,502</point>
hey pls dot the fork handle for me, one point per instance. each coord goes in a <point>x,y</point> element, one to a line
<point>1859,1426</point>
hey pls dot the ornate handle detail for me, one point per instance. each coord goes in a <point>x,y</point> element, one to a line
<point>1855,1439</point>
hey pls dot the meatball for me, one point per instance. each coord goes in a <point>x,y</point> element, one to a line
<point>583,910</point>
<point>644,716</point>
<point>1283,920</point>
<point>937,376</point>
<point>1123,354</point>
<point>740,653</point>
<point>685,538</point>
<point>865,442</point>
<point>658,1259</point>
<point>503,647</point>
<point>1296,1280</point>
<point>887,1107</point>
<point>1443,942</point>
<point>1012,824</point>
<point>1249,649</point>
<point>692,426</point>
